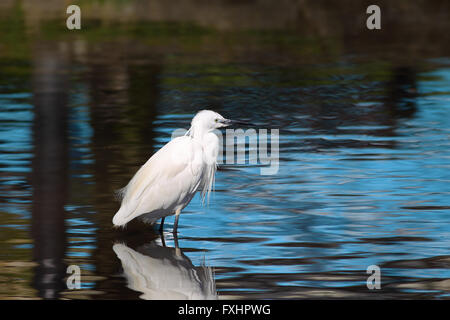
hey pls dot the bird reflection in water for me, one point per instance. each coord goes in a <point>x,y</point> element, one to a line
<point>163,273</point>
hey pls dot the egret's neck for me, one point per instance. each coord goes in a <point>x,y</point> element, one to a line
<point>209,142</point>
<point>197,132</point>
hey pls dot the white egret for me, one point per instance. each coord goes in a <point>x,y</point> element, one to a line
<point>168,181</point>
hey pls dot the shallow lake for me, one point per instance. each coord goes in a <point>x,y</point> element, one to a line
<point>363,174</point>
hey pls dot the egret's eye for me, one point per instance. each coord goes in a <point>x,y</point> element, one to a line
<point>216,120</point>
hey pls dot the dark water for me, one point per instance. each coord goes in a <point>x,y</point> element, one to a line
<point>363,178</point>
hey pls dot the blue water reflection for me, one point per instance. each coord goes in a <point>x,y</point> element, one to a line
<point>363,179</point>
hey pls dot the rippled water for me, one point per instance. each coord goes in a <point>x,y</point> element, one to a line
<point>363,180</point>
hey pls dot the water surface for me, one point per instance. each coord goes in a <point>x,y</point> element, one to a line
<point>363,174</point>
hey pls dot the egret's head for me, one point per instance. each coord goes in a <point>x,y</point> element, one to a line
<point>209,120</point>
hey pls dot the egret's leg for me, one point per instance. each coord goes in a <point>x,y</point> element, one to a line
<point>161,225</point>
<point>175,225</point>
<point>177,248</point>
<point>163,242</point>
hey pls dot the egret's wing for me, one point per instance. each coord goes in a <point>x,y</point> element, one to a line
<point>166,178</point>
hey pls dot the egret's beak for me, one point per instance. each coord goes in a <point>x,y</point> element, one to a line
<point>228,122</point>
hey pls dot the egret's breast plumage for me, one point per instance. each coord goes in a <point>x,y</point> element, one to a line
<point>210,145</point>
